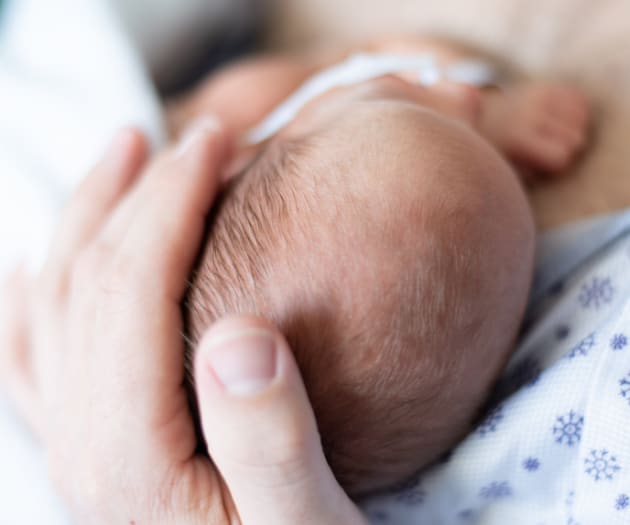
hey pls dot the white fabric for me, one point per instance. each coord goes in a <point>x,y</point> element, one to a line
<point>68,79</point>
<point>365,66</point>
<point>553,448</point>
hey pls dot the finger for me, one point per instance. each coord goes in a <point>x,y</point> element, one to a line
<point>562,144</point>
<point>16,367</point>
<point>539,150</point>
<point>260,428</point>
<point>570,105</point>
<point>149,246</point>
<point>97,195</point>
<point>160,225</point>
<point>574,138</point>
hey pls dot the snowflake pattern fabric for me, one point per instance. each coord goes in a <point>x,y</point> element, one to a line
<point>596,293</point>
<point>496,490</point>
<point>583,347</point>
<point>410,491</point>
<point>600,465</point>
<point>619,342</point>
<point>491,422</point>
<point>568,429</point>
<point>563,404</point>
<point>531,464</point>
<point>624,391</point>
<point>622,502</point>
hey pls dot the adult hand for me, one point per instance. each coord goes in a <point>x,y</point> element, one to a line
<point>94,357</point>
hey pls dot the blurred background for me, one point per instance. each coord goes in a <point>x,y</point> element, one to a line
<point>182,40</point>
<point>85,54</point>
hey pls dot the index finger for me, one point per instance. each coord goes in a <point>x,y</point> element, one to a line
<point>96,196</point>
<point>159,228</point>
<point>141,262</point>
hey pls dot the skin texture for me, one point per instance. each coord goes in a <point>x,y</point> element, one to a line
<point>105,322</point>
<point>352,247</point>
<point>541,126</point>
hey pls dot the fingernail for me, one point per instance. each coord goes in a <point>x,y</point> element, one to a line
<point>244,361</point>
<point>197,130</point>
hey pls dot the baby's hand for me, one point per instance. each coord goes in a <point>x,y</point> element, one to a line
<point>541,126</point>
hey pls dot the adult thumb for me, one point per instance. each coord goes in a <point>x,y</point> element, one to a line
<point>260,429</point>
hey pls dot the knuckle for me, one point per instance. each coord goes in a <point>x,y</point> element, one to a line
<point>283,460</point>
<point>293,449</point>
<point>286,469</point>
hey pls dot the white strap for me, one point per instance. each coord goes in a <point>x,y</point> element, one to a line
<point>362,67</point>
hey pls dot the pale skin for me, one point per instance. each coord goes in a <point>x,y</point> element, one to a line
<point>103,320</point>
<point>540,126</point>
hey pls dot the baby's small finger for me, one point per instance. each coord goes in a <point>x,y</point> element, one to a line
<point>97,195</point>
<point>574,137</point>
<point>541,152</point>
<point>569,105</point>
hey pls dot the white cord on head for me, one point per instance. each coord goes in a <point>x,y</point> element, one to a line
<point>360,68</point>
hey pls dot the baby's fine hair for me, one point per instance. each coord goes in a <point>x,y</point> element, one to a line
<point>378,316</point>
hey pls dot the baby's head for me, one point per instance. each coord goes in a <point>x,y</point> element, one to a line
<point>393,247</point>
